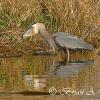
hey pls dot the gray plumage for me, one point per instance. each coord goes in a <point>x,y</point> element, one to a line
<point>66,40</point>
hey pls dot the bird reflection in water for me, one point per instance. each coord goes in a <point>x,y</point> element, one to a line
<point>54,69</point>
<point>64,69</point>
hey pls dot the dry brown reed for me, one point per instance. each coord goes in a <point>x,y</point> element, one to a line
<point>76,16</point>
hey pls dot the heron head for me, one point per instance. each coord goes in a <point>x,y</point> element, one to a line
<point>33,30</point>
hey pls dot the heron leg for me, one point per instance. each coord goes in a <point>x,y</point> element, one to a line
<point>68,55</point>
<point>51,51</point>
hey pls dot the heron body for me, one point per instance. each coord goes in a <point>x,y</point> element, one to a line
<point>64,40</point>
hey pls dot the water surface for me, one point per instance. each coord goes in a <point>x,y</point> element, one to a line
<point>29,77</point>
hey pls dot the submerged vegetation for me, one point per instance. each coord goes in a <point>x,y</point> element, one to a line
<point>81,18</point>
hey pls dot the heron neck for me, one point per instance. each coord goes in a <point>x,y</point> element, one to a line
<point>48,37</point>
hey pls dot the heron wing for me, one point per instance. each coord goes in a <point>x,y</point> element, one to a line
<point>67,40</point>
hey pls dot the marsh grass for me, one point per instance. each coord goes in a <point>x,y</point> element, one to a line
<point>79,17</point>
<point>66,15</point>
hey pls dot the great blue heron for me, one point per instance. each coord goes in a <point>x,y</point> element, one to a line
<point>64,40</point>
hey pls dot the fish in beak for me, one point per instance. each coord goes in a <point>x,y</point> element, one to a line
<point>30,32</point>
